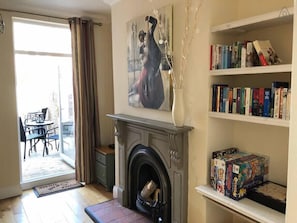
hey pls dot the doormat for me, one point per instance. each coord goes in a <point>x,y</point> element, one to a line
<point>113,211</point>
<point>52,188</point>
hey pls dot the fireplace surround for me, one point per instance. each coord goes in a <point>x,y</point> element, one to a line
<point>167,146</point>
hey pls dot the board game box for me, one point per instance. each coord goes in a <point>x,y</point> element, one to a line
<point>270,194</point>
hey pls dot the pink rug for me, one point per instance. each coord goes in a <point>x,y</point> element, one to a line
<point>112,212</point>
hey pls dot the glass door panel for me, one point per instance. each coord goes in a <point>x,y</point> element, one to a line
<point>66,115</point>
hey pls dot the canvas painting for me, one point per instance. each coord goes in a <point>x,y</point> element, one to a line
<point>149,60</point>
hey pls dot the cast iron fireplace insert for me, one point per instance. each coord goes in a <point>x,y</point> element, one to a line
<point>145,166</point>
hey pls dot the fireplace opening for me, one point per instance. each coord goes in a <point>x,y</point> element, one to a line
<point>149,185</point>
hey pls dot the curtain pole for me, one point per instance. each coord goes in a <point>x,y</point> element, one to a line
<point>49,16</point>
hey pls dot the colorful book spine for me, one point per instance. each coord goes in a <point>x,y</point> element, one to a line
<point>225,104</point>
<point>211,59</point>
<point>267,100</point>
<point>283,103</point>
<point>238,100</point>
<point>234,100</point>
<point>276,84</point>
<point>249,54</point>
<point>217,97</point>
<point>288,104</point>
<point>261,101</point>
<point>255,103</point>
<point>276,102</point>
<point>248,100</point>
<point>230,99</point>
<point>243,55</point>
<point>242,101</point>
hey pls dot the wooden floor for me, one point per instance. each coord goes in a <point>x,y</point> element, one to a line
<point>64,207</point>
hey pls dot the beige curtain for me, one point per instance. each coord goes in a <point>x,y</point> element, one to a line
<point>87,134</point>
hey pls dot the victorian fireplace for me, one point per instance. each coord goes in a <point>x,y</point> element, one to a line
<point>153,167</point>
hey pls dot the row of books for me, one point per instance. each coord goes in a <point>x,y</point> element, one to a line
<point>242,54</point>
<point>233,173</point>
<point>271,102</point>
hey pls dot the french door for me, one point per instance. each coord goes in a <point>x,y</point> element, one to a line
<point>43,68</point>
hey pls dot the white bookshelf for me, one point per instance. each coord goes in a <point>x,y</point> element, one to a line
<point>271,22</point>
<point>245,207</point>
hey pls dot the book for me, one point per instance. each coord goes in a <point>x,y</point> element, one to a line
<point>243,54</point>
<point>274,85</point>
<point>276,106</point>
<point>225,103</point>
<point>218,59</point>
<point>242,101</point>
<point>267,100</point>
<point>248,101</point>
<point>234,100</point>
<point>230,99</point>
<point>238,100</point>
<point>255,102</point>
<point>225,56</point>
<point>261,101</point>
<point>216,96</point>
<point>252,58</point>
<point>266,53</point>
<point>283,104</point>
<point>211,59</point>
<point>214,92</point>
<point>288,104</point>
<point>234,55</point>
<point>239,51</point>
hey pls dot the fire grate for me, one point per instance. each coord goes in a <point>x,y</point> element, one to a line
<point>152,208</point>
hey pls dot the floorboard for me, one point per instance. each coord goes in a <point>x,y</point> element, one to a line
<point>64,207</point>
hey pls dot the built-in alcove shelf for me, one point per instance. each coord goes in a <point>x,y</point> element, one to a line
<point>245,207</point>
<point>282,16</point>
<point>250,119</point>
<point>282,68</point>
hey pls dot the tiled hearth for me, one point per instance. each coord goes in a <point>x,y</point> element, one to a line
<point>163,145</point>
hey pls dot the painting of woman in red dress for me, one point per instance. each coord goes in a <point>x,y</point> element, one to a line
<point>148,87</point>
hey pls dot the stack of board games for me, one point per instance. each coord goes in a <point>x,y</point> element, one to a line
<point>234,172</point>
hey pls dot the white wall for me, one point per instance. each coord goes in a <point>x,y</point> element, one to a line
<point>196,88</point>
<point>9,156</point>
<point>196,85</point>
<point>105,81</point>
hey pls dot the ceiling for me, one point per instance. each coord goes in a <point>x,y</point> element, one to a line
<point>97,9</point>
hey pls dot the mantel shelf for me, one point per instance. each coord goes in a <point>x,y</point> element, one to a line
<point>155,124</point>
<point>246,207</point>
<point>250,119</point>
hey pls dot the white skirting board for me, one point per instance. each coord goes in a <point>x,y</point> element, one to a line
<point>115,191</point>
<point>11,191</point>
